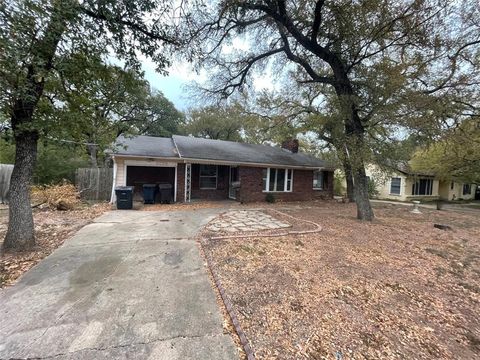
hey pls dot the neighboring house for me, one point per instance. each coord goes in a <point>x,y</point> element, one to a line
<point>401,183</point>
<point>215,169</point>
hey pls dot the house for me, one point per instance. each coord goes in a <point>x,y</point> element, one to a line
<point>214,169</point>
<point>401,183</point>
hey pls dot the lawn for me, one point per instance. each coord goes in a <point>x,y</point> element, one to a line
<point>395,288</point>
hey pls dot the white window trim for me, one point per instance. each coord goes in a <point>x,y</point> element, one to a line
<point>200,178</point>
<point>323,180</point>
<point>390,192</point>
<point>285,182</point>
<point>430,182</point>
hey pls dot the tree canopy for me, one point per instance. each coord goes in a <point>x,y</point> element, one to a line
<point>39,40</point>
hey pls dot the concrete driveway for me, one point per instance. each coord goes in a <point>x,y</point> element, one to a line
<point>130,285</point>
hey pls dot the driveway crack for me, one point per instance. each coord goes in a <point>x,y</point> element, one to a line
<point>120,346</point>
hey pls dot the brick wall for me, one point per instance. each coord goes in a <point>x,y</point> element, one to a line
<point>251,186</point>
<point>180,182</point>
<point>221,192</point>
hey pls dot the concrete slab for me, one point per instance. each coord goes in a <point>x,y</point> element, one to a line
<point>130,285</point>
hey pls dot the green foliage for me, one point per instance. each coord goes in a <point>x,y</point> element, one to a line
<point>215,122</point>
<point>160,117</point>
<point>7,151</point>
<point>270,198</point>
<point>55,161</point>
<point>456,155</point>
<point>338,184</point>
<point>53,166</point>
<point>372,188</point>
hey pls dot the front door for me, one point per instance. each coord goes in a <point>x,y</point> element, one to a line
<point>233,182</point>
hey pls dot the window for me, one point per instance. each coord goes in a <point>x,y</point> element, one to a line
<point>318,180</point>
<point>467,189</point>
<point>452,185</point>
<point>208,176</point>
<point>277,179</point>
<point>422,187</point>
<point>395,185</point>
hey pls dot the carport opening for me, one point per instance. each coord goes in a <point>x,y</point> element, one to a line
<point>137,176</point>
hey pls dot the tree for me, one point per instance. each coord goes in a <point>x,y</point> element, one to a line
<point>374,56</point>
<point>456,155</point>
<point>215,122</point>
<point>35,37</point>
<point>104,101</point>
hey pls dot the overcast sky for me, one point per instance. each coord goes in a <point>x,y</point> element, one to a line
<point>181,74</point>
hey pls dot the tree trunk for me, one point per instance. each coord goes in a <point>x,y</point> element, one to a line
<point>364,208</point>
<point>92,153</point>
<point>354,147</point>
<point>20,234</point>
<point>349,179</point>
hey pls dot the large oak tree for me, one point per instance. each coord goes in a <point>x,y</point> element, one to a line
<point>414,57</point>
<point>35,37</point>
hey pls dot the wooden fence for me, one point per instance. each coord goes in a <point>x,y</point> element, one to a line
<point>5,175</point>
<point>94,183</point>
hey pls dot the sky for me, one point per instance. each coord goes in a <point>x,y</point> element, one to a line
<point>173,85</point>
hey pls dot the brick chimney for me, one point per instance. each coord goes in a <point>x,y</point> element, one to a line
<point>291,145</point>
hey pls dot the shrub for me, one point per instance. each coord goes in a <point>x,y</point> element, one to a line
<point>372,188</point>
<point>270,198</point>
<point>338,185</point>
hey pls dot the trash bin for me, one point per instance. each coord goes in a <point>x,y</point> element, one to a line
<point>166,193</point>
<point>149,193</point>
<point>124,196</point>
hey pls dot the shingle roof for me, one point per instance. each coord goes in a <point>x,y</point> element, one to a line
<point>145,146</point>
<point>229,151</point>
<point>214,150</point>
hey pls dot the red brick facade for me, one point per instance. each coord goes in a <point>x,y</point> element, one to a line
<point>221,192</point>
<point>251,186</point>
<point>180,182</point>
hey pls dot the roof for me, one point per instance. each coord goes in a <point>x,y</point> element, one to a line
<point>405,168</point>
<point>150,146</point>
<point>191,149</point>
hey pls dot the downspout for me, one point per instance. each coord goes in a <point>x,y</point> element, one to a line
<point>113,197</point>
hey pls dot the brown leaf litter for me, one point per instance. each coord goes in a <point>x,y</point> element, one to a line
<point>393,288</point>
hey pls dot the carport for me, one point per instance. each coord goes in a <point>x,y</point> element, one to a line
<point>138,176</point>
<point>137,172</point>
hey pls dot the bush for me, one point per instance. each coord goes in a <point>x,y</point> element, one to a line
<point>59,197</point>
<point>372,188</point>
<point>338,187</point>
<point>270,198</point>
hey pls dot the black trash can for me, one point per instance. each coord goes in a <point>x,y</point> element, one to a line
<point>149,193</point>
<point>166,193</point>
<point>124,196</point>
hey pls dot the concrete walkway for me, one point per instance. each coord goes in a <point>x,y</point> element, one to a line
<point>130,285</point>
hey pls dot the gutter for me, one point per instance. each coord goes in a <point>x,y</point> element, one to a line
<point>227,163</point>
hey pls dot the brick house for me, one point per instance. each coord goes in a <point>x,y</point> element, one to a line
<point>216,169</point>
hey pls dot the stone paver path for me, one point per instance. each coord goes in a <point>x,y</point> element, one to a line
<point>245,220</point>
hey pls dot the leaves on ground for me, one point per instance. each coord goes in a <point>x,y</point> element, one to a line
<point>52,228</point>
<point>394,288</point>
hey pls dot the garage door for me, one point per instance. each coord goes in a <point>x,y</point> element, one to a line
<point>139,175</point>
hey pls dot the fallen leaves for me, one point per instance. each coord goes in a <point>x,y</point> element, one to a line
<point>394,288</point>
<point>52,228</point>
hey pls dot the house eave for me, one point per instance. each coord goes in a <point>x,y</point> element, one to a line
<point>252,164</point>
<point>222,162</point>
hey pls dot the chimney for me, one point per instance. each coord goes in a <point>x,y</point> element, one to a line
<point>290,145</point>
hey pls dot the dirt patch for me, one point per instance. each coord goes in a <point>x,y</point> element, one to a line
<point>394,288</point>
<point>52,228</point>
